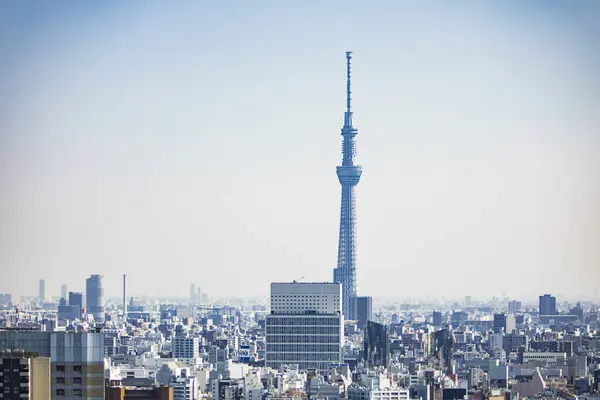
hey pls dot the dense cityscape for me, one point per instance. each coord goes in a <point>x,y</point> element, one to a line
<point>306,340</point>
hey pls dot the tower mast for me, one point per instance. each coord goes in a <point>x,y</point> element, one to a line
<point>349,175</point>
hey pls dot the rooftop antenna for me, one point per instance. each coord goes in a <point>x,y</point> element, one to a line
<point>348,116</point>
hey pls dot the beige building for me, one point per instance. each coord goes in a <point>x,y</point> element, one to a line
<point>76,360</point>
<point>24,375</point>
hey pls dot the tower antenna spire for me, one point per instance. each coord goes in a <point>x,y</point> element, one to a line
<point>348,119</point>
<point>348,174</point>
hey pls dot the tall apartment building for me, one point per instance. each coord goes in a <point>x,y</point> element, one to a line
<point>305,326</point>
<point>63,291</point>
<point>94,294</point>
<point>186,347</point>
<point>24,376</point>
<point>76,360</point>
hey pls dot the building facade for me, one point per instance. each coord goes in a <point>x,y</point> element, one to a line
<point>24,376</point>
<point>547,305</point>
<point>185,347</point>
<point>76,360</point>
<point>94,294</point>
<point>305,327</point>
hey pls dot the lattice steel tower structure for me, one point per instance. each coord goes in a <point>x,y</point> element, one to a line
<point>349,175</point>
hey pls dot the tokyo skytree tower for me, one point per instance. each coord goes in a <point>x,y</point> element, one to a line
<point>349,175</point>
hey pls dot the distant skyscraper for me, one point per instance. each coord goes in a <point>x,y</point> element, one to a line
<point>63,292</point>
<point>124,297</point>
<point>42,291</point>
<point>437,318</point>
<point>192,292</point>
<point>547,305</point>
<point>76,299</point>
<point>514,306</point>
<point>361,310</point>
<point>94,295</point>
<point>349,175</point>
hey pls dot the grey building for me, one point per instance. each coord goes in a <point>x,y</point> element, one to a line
<point>77,360</point>
<point>547,305</point>
<point>361,310</point>
<point>94,293</point>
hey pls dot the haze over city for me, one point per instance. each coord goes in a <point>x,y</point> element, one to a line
<point>199,143</point>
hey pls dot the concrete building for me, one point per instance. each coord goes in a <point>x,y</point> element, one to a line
<point>185,347</point>
<point>77,360</point>
<point>63,292</point>
<point>547,305</point>
<point>76,300</point>
<point>94,294</point>
<point>185,385</point>
<point>24,376</point>
<point>548,358</point>
<point>305,327</point>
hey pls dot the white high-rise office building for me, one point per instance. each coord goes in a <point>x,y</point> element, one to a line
<point>305,326</point>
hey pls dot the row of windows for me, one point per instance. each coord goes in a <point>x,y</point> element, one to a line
<point>301,365</point>
<point>16,390</point>
<point>298,357</point>
<point>61,392</point>
<point>303,330</point>
<point>291,339</point>
<point>319,348</point>
<point>61,368</point>
<point>305,296</point>
<point>311,321</point>
<point>61,380</point>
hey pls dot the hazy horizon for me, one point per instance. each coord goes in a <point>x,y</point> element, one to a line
<point>195,142</point>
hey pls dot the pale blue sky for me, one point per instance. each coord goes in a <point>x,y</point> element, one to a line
<point>197,141</point>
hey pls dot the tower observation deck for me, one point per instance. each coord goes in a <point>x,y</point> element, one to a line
<point>348,174</point>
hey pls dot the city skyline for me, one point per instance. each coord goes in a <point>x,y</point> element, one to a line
<point>201,141</point>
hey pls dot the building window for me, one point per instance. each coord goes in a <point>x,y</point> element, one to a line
<point>60,380</point>
<point>77,379</point>
<point>60,392</point>
<point>77,368</point>
<point>60,368</point>
<point>77,392</point>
